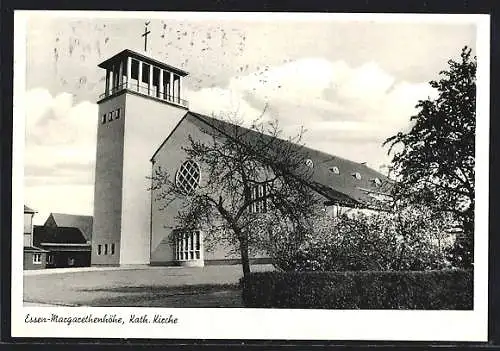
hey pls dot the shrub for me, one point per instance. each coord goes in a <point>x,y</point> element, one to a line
<point>410,238</point>
<point>429,290</point>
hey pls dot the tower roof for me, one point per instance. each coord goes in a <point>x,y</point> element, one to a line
<point>147,59</point>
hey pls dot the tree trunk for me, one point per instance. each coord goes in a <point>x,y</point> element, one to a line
<point>245,261</point>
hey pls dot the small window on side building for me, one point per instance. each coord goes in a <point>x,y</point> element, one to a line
<point>37,258</point>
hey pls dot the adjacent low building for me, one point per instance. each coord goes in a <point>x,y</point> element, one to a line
<point>63,241</point>
<point>34,257</point>
<point>65,246</point>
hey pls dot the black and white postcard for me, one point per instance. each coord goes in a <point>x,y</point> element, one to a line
<point>250,176</point>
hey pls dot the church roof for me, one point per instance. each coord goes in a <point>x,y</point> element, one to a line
<point>340,180</point>
<point>83,223</point>
<point>28,210</point>
<point>59,235</point>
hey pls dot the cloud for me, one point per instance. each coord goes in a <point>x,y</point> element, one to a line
<point>60,149</point>
<point>346,110</point>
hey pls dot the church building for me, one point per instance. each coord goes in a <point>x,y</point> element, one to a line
<point>143,124</point>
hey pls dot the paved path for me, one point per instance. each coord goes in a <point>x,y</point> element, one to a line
<point>211,286</point>
<point>82,269</point>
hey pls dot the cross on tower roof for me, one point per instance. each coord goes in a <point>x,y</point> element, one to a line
<point>145,35</point>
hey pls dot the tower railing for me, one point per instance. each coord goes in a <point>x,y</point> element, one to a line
<point>146,90</point>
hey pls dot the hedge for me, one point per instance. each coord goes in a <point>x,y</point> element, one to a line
<point>429,290</point>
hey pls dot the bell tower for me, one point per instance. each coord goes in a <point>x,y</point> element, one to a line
<point>141,104</point>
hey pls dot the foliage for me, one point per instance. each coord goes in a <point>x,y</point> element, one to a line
<point>434,162</point>
<point>429,290</point>
<point>234,161</point>
<point>408,238</point>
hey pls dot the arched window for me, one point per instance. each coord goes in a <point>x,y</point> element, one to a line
<point>187,178</point>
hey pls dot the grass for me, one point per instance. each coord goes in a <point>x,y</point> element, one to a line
<point>210,286</point>
<point>194,296</point>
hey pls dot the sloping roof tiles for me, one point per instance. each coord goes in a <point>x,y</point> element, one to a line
<point>338,179</point>
<point>84,223</point>
<point>59,235</point>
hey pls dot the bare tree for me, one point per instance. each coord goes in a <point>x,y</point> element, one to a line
<point>252,180</point>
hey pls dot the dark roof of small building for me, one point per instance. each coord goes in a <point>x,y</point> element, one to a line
<point>34,249</point>
<point>59,235</point>
<point>84,223</point>
<point>28,210</point>
<point>342,188</point>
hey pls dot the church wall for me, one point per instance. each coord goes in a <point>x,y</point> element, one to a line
<point>169,158</point>
<point>108,183</point>
<point>147,123</point>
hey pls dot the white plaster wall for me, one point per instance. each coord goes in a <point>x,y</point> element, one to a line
<point>28,222</point>
<point>108,182</point>
<point>147,123</point>
<point>27,239</point>
<point>169,158</point>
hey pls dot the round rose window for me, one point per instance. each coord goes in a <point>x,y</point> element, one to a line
<point>187,178</point>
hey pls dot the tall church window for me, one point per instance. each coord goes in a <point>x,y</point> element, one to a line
<point>258,193</point>
<point>187,245</point>
<point>187,178</point>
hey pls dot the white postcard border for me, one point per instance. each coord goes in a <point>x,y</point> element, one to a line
<point>260,323</point>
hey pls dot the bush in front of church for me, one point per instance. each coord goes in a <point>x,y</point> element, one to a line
<point>403,290</point>
<point>410,238</point>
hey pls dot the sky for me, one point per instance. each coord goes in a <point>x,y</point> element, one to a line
<point>350,83</point>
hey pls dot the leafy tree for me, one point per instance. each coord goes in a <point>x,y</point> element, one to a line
<point>234,163</point>
<point>434,162</point>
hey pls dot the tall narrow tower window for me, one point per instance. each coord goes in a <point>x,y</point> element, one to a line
<point>187,178</point>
